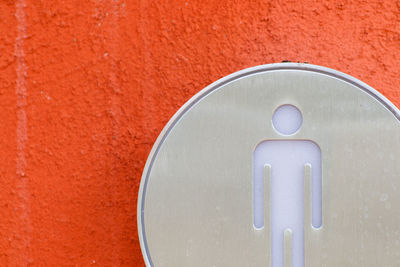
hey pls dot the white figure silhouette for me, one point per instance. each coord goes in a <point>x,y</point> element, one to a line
<point>287,160</point>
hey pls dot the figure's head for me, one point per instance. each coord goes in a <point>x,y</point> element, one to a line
<point>287,119</point>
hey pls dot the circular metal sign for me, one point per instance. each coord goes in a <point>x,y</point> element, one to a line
<point>277,165</point>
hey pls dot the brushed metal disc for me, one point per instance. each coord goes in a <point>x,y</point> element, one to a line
<point>195,205</point>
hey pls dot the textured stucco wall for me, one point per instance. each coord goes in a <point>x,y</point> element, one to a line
<point>86,87</point>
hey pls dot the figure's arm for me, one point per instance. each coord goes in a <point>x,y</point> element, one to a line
<point>267,196</point>
<point>267,207</point>
<point>307,195</point>
<point>316,173</point>
<point>261,190</point>
<point>313,190</point>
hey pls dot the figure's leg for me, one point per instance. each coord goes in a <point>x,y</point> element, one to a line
<point>287,260</point>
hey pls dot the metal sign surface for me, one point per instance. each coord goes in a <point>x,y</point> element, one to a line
<point>199,192</point>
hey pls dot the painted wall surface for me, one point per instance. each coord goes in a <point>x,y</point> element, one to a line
<point>87,86</point>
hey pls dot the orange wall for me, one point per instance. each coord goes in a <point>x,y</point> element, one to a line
<point>86,87</point>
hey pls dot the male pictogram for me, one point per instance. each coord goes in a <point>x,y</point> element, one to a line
<point>279,185</point>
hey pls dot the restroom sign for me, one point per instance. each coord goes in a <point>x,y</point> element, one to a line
<point>278,165</point>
